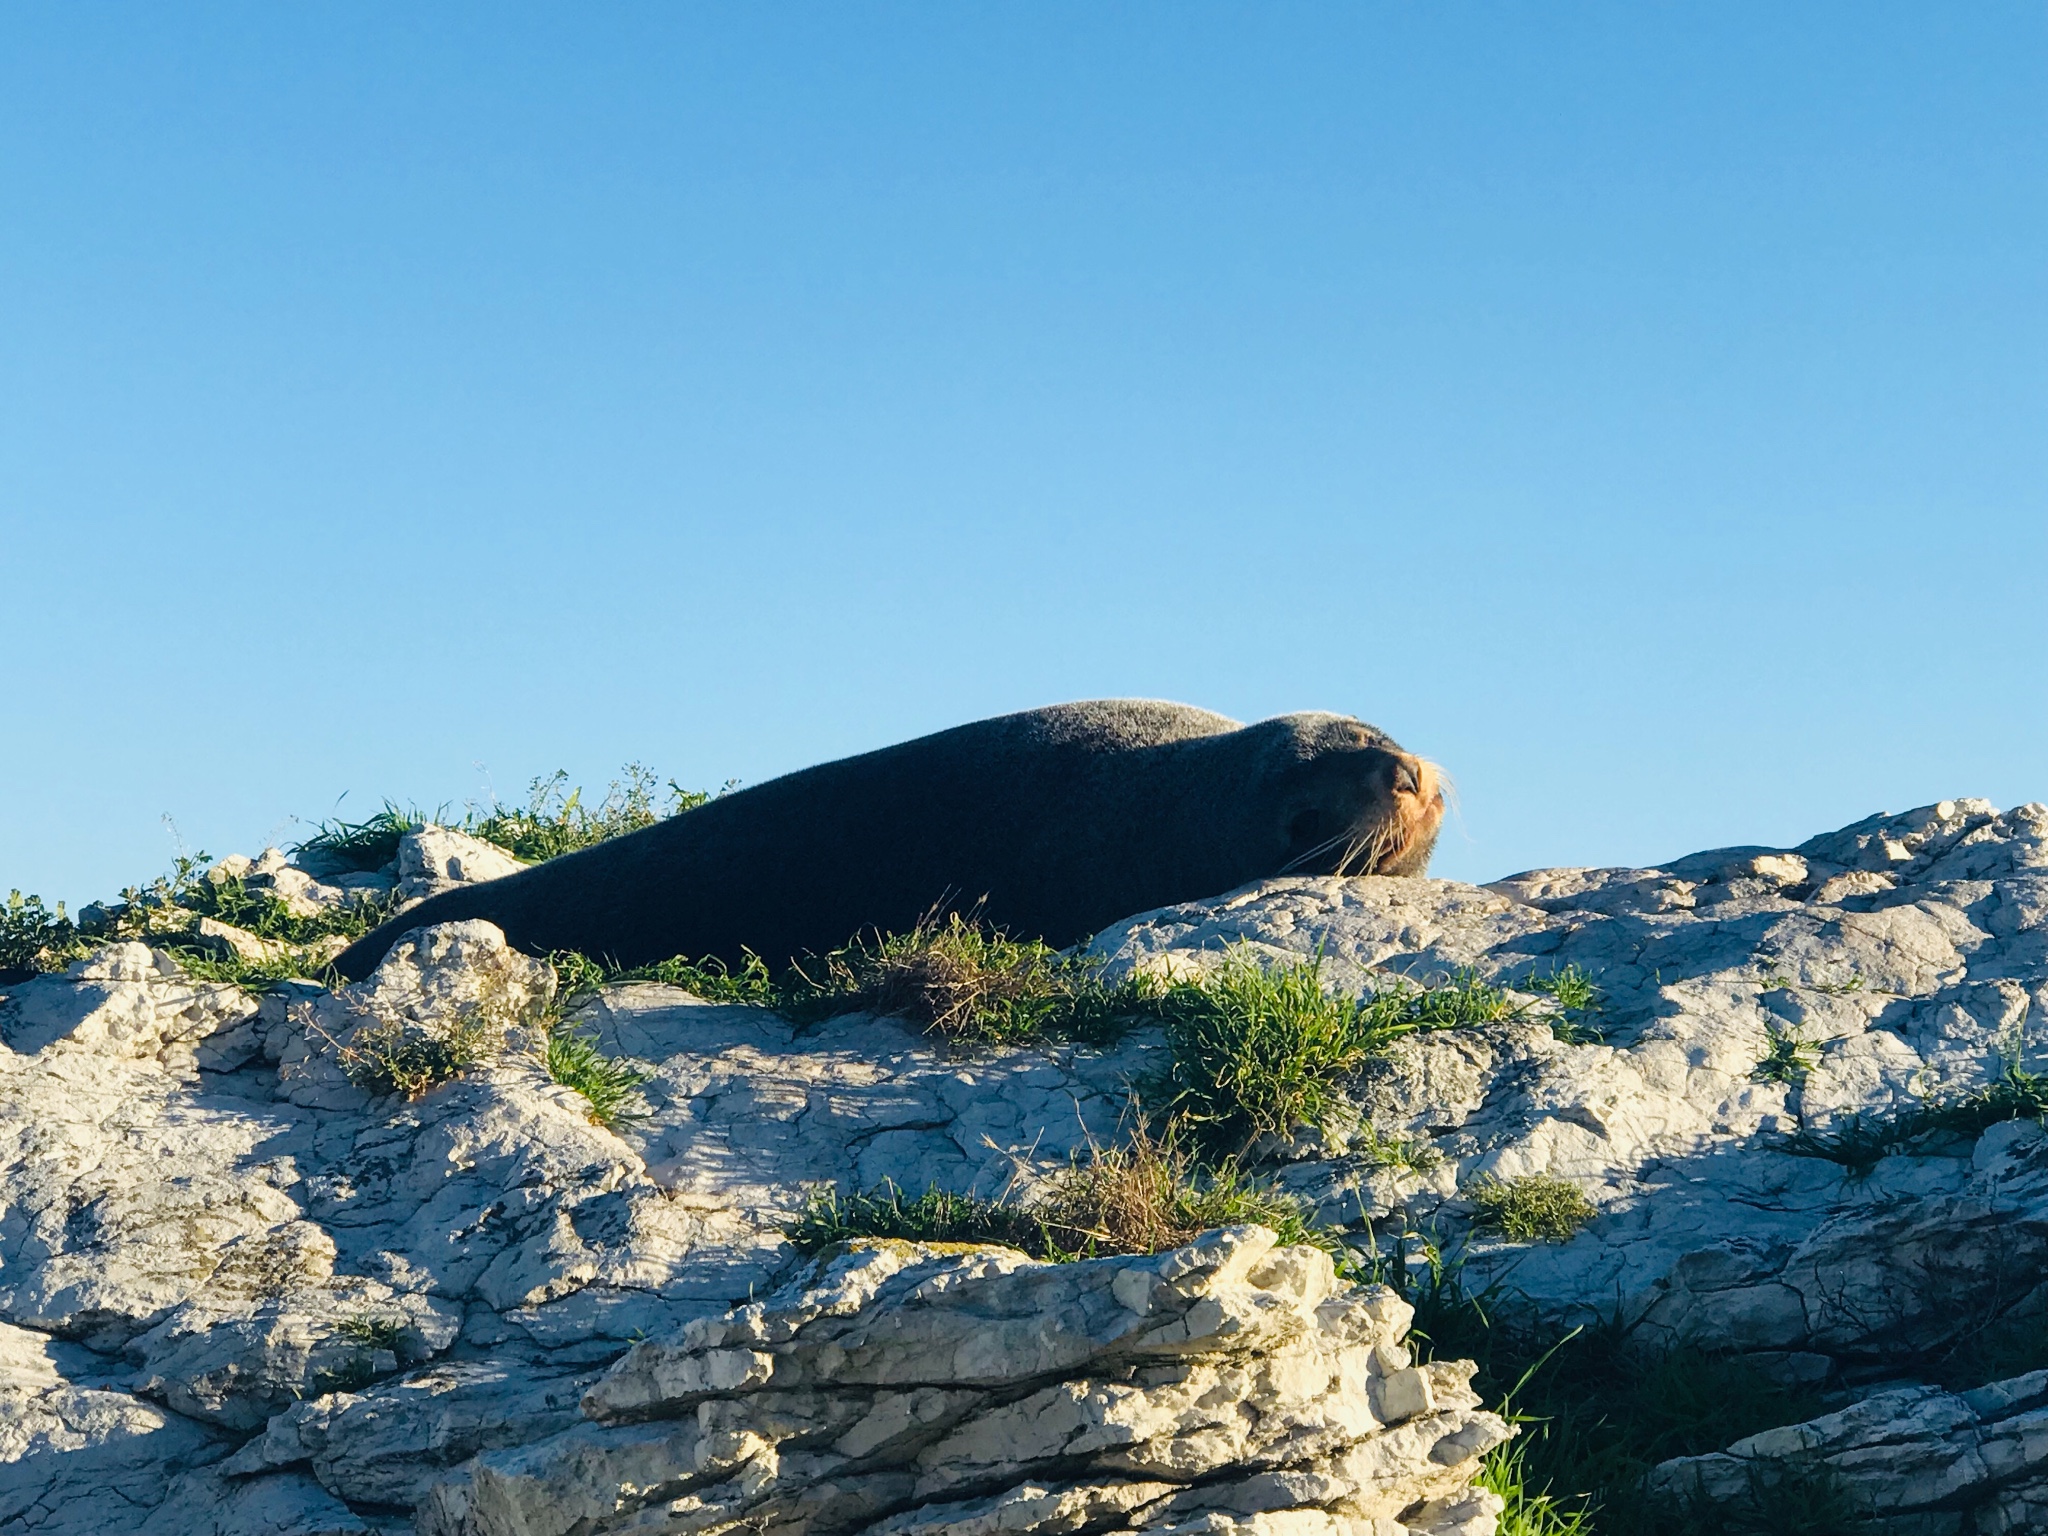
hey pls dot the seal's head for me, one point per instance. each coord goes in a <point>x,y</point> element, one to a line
<point>1354,803</point>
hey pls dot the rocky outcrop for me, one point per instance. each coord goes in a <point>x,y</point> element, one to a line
<point>1226,1386</point>
<point>1917,1459</point>
<point>434,859</point>
<point>239,1292</point>
<point>1886,966</point>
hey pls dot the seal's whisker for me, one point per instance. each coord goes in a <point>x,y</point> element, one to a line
<point>1322,847</point>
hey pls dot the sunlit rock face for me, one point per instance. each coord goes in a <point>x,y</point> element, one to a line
<point>240,1293</point>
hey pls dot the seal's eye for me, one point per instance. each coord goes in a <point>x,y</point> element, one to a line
<point>1306,827</point>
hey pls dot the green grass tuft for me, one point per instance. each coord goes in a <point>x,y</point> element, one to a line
<point>1261,1048</point>
<point>1530,1511</point>
<point>960,979</point>
<point>1532,1207</point>
<point>1577,1000</point>
<point>373,1330</point>
<point>709,978</point>
<point>555,821</point>
<point>364,845</point>
<point>935,1216</point>
<point>1789,1058</point>
<point>573,1059</point>
<point>1416,1153</point>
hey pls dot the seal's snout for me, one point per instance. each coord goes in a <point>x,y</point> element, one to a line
<point>1414,815</point>
<point>1418,780</point>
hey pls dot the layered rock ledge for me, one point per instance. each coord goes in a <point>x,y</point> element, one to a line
<point>237,1294</point>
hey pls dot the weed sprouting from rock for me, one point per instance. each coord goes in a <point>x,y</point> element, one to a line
<point>1260,1048</point>
<point>1149,1194</point>
<point>372,1330</point>
<point>609,1086</point>
<point>1789,1058</point>
<point>936,1216</point>
<point>403,1056</point>
<point>753,985</point>
<point>1577,1001</point>
<point>1414,1153</point>
<point>1529,1208</point>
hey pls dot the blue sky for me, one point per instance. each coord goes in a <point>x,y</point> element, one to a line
<point>1637,408</point>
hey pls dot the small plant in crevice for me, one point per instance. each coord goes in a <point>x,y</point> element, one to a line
<point>1532,1207</point>
<point>1788,1058</point>
<point>1416,1154</point>
<point>372,1330</point>
<point>1577,1002</point>
<point>608,1085</point>
<point>356,1372</point>
<point>403,1056</point>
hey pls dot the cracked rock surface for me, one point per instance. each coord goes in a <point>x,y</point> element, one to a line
<point>240,1295</point>
<point>1906,958</point>
<point>1229,1385</point>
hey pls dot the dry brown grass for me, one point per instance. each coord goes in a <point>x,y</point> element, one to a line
<point>955,977</point>
<point>1148,1195</point>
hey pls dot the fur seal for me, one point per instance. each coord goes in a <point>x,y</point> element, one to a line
<point>1061,820</point>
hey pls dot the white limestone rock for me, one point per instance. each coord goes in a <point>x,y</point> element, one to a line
<point>1908,953</point>
<point>1916,1458</point>
<point>435,859</point>
<point>237,1293</point>
<point>275,873</point>
<point>127,1000</point>
<point>1223,1385</point>
<point>388,1445</point>
<point>68,1452</point>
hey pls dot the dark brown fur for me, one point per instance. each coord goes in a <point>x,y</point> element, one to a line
<point>1062,819</point>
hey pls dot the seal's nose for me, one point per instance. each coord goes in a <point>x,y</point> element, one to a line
<point>1420,777</point>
